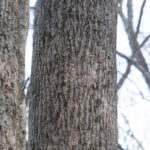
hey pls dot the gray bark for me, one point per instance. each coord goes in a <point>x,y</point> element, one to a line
<point>73,102</point>
<point>12,46</point>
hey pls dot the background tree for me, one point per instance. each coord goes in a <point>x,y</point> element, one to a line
<point>13,32</point>
<point>136,57</point>
<point>73,83</point>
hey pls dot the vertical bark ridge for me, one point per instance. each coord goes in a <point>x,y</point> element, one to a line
<point>12,130</point>
<point>74,76</point>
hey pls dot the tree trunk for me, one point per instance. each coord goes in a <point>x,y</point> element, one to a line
<point>13,32</point>
<point>73,83</point>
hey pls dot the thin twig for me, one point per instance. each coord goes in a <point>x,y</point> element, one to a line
<point>123,18</point>
<point>125,57</point>
<point>32,8</point>
<point>144,41</point>
<point>130,14</point>
<point>25,85</point>
<point>140,17</point>
<point>140,92</point>
<point>130,60</point>
<point>120,147</point>
<point>124,76</point>
<point>131,134</point>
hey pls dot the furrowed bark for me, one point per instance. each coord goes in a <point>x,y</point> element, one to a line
<point>12,47</point>
<point>73,101</point>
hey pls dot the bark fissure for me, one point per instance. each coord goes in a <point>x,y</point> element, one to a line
<point>75,105</point>
<point>12,47</point>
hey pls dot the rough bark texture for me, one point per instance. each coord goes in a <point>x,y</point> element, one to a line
<point>73,101</point>
<point>12,46</point>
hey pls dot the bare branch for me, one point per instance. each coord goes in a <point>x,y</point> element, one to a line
<point>124,76</point>
<point>139,60</point>
<point>144,41</point>
<point>131,134</point>
<point>126,57</point>
<point>128,69</point>
<point>120,2</point>
<point>25,85</point>
<point>129,60</point>
<point>142,67</point>
<point>130,14</point>
<point>32,8</point>
<point>123,18</point>
<point>140,17</point>
<point>120,147</point>
<point>127,22</point>
<point>139,90</point>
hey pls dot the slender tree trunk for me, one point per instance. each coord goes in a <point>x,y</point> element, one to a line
<point>73,83</point>
<point>13,32</point>
<point>23,7</point>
